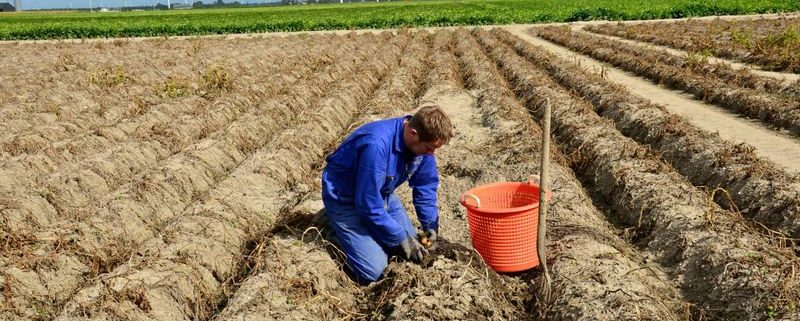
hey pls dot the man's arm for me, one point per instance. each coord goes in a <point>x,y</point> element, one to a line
<point>370,176</point>
<point>425,183</point>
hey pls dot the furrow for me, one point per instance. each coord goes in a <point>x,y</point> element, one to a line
<point>74,184</point>
<point>765,42</point>
<point>756,187</point>
<point>453,283</point>
<point>155,122</point>
<point>104,237</point>
<point>583,247</point>
<point>80,185</point>
<point>107,94</point>
<point>725,269</point>
<point>703,65</point>
<point>776,112</point>
<point>298,278</point>
<point>200,248</point>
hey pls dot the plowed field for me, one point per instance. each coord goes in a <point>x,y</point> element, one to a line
<point>178,179</point>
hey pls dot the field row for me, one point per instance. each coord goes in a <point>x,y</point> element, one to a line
<point>83,242</point>
<point>771,43</point>
<point>88,168</point>
<point>82,95</point>
<point>310,285</point>
<point>666,215</point>
<point>211,241</point>
<point>584,238</point>
<point>741,75</point>
<point>762,190</point>
<point>769,106</point>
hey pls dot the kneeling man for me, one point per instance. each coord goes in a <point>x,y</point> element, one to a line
<point>358,187</point>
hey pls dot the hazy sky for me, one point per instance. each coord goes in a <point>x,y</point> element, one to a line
<point>45,4</point>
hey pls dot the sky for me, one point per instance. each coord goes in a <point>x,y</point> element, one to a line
<point>48,4</point>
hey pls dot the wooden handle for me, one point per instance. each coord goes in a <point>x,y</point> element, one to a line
<point>544,175</point>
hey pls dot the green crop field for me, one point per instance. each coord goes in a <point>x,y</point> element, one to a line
<point>361,15</point>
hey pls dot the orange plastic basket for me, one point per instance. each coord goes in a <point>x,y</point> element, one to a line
<point>503,221</point>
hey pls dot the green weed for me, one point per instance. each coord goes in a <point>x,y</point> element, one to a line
<point>698,59</point>
<point>174,87</point>
<point>216,80</point>
<point>785,38</point>
<point>108,77</point>
<point>742,37</point>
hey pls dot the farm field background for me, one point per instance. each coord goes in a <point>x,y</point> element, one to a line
<point>179,178</point>
<point>362,15</point>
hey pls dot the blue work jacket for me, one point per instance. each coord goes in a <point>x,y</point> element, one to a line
<point>369,165</point>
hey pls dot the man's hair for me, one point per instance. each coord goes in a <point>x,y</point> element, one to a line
<point>432,124</point>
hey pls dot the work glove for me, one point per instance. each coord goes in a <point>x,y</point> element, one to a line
<point>428,239</point>
<point>410,249</point>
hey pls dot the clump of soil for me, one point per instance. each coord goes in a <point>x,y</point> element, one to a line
<point>451,284</point>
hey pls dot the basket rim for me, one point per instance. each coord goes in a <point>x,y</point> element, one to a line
<point>509,210</point>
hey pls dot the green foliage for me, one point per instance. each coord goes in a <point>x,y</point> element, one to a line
<point>770,312</point>
<point>108,77</point>
<point>785,38</point>
<point>362,15</point>
<point>741,37</point>
<point>698,59</point>
<point>174,87</point>
<point>216,80</point>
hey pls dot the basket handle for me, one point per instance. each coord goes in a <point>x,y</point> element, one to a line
<point>534,179</point>
<point>472,196</point>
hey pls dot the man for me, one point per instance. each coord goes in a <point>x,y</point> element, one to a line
<point>358,186</point>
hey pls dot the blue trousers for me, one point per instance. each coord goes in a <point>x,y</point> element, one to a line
<point>366,253</point>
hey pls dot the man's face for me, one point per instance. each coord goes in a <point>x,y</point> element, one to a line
<point>419,147</point>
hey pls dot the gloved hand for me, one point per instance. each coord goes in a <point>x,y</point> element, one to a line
<point>411,250</point>
<point>428,240</point>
